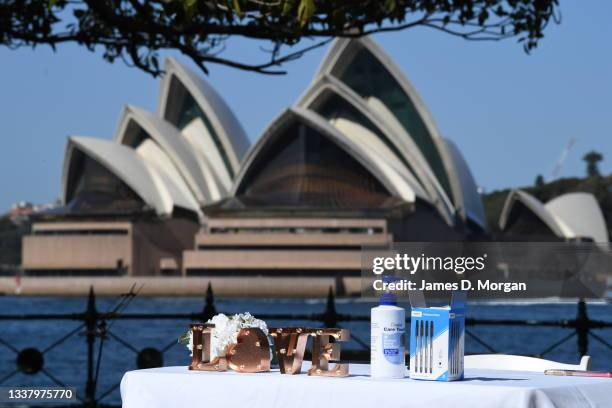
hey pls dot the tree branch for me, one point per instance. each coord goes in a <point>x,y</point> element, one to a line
<point>137,30</point>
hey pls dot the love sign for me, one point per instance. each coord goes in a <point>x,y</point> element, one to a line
<point>251,353</point>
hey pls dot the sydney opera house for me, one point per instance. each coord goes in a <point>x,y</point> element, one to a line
<point>356,161</point>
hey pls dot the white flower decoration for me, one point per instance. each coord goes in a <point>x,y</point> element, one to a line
<point>226,331</point>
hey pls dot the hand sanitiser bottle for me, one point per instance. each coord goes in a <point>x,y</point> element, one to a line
<point>388,323</point>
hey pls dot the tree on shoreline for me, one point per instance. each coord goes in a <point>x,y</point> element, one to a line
<point>137,30</point>
<point>592,159</point>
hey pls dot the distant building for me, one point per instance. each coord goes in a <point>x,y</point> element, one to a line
<point>132,205</point>
<point>569,217</point>
<point>357,161</point>
<point>22,211</point>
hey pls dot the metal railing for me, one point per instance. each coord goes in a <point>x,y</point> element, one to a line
<point>95,326</point>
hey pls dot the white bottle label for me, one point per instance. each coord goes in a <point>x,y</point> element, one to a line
<point>387,342</point>
<point>392,343</point>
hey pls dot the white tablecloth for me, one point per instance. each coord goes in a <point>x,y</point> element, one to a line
<point>177,387</point>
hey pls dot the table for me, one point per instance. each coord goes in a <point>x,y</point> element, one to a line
<point>178,387</point>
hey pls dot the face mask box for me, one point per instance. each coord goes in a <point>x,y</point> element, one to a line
<point>437,335</point>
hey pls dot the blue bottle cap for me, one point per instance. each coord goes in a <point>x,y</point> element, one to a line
<point>388,299</point>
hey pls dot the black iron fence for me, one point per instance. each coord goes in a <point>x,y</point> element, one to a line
<point>96,329</point>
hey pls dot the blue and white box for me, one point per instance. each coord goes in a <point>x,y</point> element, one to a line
<point>437,336</point>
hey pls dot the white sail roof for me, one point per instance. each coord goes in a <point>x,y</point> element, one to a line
<point>518,197</point>
<point>379,73</point>
<point>178,189</point>
<point>364,137</point>
<point>402,152</point>
<point>580,215</point>
<point>152,187</point>
<point>569,216</point>
<point>200,139</point>
<point>193,168</point>
<point>472,202</point>
<point>229,139</point>
<point>366,155</point>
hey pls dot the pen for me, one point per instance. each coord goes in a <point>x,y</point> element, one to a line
<point>417,353</point>
<point>431,337</point>
<point>579,373</point>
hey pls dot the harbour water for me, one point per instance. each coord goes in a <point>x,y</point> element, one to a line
<point>68,361</point>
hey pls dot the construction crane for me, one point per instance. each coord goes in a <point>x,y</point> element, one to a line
<point>554,174</point>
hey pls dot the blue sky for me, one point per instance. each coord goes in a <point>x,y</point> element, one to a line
<point>510,113</point>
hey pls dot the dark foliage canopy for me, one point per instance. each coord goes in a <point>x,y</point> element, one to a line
<point>136,30</point>
<point>592,159</point>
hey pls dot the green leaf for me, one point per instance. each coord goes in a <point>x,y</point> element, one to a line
<point>390,5</point>
<point>236,7</point>
<point>190,7</point>
<point>52,3</point>
<point>184,338</point>
<point>305,11</point>
<point>288,6</point>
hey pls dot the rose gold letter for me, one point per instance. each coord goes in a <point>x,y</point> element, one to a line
<point>323,351</point>
<point>252,352</point>
<point>200,346</point>
<point>289,345</point>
